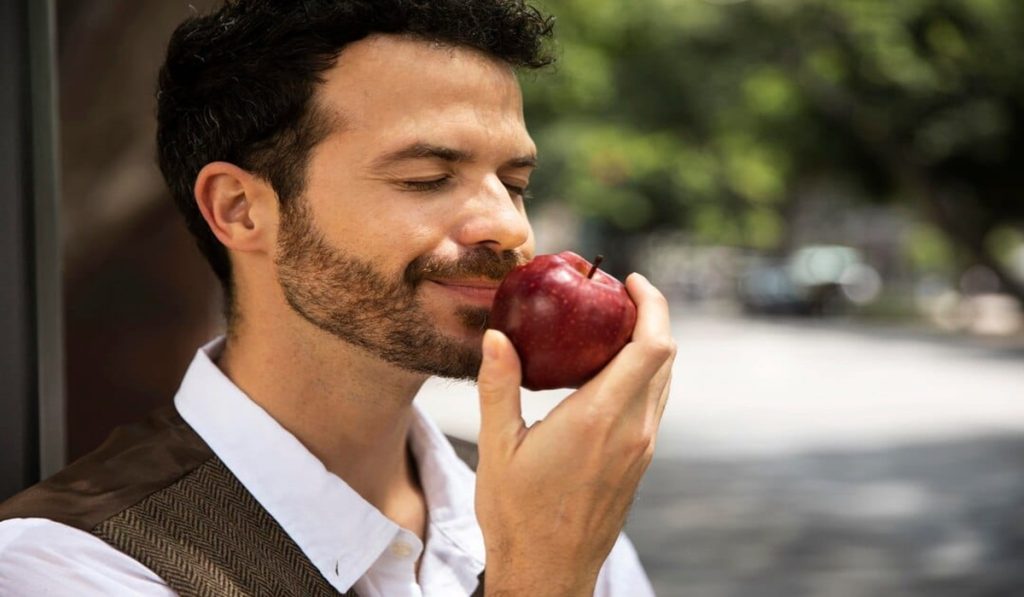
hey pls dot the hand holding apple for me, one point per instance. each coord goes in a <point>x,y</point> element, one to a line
<point>566,318</point>
<point>552,498</point>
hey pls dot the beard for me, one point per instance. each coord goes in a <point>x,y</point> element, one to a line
<point>352,300</point>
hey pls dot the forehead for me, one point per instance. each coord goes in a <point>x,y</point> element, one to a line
<point>399,86</point>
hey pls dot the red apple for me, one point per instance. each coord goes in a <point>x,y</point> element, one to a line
<point>565,317</point>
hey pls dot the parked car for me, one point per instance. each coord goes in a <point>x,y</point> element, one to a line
<point>813,280</point>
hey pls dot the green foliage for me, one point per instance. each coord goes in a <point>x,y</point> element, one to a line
<point>928,249</point>
<point>709,116</point>
<point>1004,241</point>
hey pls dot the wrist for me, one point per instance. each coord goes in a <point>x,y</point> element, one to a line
<point>508,580</point>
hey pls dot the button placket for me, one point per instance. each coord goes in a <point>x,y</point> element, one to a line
<point>401,549</point>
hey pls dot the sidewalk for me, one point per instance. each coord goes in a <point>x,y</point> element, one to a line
<point>752,387</point>
<point>816,459</point>
<point>927,520</point>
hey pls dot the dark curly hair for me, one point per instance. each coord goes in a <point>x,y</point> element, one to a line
<point>237,84</point>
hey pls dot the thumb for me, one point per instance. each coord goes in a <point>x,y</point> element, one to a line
<point>501,416</point>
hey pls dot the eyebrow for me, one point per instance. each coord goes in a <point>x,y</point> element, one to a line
<point>419,151</point>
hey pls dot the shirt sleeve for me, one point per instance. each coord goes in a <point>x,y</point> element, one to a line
<point>622,574</point>
<point>43,557</point>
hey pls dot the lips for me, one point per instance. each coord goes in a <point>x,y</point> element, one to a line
<point>477,291</point>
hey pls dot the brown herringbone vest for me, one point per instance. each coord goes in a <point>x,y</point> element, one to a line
<point>156,492</point>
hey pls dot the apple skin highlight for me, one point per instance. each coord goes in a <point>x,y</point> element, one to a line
<point>565,326</point>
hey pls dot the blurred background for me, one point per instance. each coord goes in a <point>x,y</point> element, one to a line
<point>831,193</point>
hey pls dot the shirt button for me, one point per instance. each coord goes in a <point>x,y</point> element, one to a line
<point>401,549</point>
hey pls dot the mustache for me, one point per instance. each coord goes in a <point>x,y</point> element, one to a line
<point>476,263</point>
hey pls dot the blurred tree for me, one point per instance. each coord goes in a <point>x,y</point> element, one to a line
<point>711,116</point>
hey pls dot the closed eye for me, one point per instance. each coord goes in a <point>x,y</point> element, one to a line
<point>518,191</point>
<point>425,186</point>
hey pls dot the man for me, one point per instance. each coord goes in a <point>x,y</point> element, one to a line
<point>355,173</point>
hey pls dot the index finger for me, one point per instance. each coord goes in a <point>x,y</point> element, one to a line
<point>652,318</point>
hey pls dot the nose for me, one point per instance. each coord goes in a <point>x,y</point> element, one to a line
<point>495,219</point>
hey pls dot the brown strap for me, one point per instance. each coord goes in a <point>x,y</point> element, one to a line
<point>479,592</point>
<point>135,461</point>
<point>207,536</point>
<point>155,491</point>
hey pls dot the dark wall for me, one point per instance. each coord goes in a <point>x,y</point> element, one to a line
<point>19,455</point>
<point>139,299</point>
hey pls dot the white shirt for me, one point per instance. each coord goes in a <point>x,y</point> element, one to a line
<point>42,557</point>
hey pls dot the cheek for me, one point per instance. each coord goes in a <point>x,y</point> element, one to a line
<point>385,227</point>
<point>377,229</point>
<point>415,228</point>
<point>391,246</point>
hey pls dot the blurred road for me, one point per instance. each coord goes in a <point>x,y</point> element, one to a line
<point>935,519</point>
<point>759,387</point>
<point>803,458</point>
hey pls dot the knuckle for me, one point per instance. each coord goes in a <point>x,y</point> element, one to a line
<point>492,388</point>
<point>660,299</point>
<point>642,445</point>
<point>596,420</point>
<point>654,296</point>
<point>661,349</point>
<point>648,453</point>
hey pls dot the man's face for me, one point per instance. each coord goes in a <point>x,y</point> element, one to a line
<point>413,208</point>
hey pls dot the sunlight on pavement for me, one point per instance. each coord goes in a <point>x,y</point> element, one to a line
<point>760,387</point>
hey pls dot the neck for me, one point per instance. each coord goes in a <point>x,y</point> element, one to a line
<point>350,410</point>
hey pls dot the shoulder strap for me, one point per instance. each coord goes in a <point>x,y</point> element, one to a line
<point>155,491</point>
<point>207,535</point>
<point>132,463</point>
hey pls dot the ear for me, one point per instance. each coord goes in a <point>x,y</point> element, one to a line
<point>235,205</point>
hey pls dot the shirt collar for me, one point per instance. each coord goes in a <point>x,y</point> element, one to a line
<point>455,552</point>
<point>341,533</point>
<point>450,487</point>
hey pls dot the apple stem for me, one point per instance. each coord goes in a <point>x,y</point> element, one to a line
<point>597,262</point>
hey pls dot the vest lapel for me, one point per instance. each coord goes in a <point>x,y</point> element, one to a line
<point>156,492</point>
<point>207,536</point>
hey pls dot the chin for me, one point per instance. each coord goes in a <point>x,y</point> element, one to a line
<point>451,358</point>
<point>463,322</point>
<point>468,338</point>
